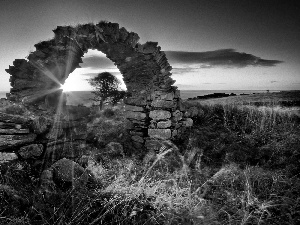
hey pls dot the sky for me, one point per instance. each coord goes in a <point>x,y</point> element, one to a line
<point>211,44</point>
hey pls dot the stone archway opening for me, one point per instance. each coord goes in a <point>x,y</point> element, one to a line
<point>153,105</point>
<point>77,89</point>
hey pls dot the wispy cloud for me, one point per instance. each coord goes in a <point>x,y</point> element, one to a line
<point>228,58</point>
<point>187,62</point>
<point>183,70</point>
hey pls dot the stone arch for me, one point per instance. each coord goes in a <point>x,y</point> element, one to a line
<point>153,108</point>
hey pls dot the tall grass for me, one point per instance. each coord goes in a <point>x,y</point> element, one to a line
<point>241,167</point>
<point>248,135</point>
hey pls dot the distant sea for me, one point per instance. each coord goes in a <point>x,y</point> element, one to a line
<point>185,94</point>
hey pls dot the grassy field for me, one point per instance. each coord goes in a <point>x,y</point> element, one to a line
<point>79,98</point>
<point>241,166</point>
<point>290,99</point>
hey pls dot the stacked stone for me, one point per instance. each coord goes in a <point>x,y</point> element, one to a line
<point>16,132</point>
<point>161,119</point>
<point>160,116</point>
<point>43,140</point>
<point>138,117</point>
<point>25,80</point>
<point>44,72</point>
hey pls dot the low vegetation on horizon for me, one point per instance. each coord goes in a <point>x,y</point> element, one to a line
<point>241,166</point>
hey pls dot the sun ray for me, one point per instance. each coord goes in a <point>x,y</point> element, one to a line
<point>39,95</point>
<point>45,71</point>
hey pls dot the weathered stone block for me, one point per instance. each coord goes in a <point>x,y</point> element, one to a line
<point>149,47</point>
<point>134,108</point>
<point>160,133</point>
<point>132,39</point>
<point>67,173</point>
<point>123,33</point>
<point>163,104</point>
<point>136,133</point>
<point>8,118</point>
<point>31,151</point>
<point>159,114</point>
<point>7,156</point>
<point>14,131</point>
<point>169,81</point>
<point>167,96</point>
<point>136,101</point>
<point>164,124</point>
<point>13,141</point>
<point>135,115</point>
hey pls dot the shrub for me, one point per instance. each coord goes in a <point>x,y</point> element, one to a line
<point>108,113</point>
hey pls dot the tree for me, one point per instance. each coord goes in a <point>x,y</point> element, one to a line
<point>106,88</point>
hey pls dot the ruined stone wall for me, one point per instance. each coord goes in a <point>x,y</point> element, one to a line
<point>42,139</point>
<point>154,107</point>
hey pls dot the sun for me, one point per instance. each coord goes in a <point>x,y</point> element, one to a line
<point>65,88</point>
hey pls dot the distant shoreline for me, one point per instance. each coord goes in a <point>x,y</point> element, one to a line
<point>189,94</point>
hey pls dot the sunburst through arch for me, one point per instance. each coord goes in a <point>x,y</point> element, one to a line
<point>77,87</point>
<point>153,107</point>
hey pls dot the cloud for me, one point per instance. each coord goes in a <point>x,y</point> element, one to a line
<point>228,58</point>
<point>183,70</point>
<point>186,62</point>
